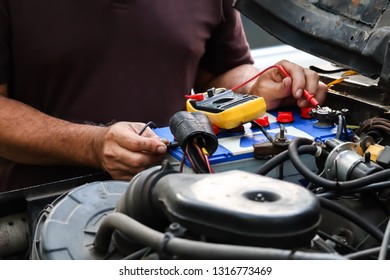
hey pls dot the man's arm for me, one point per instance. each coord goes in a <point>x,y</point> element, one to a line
<point>276,89</point>
<point>32,137</point>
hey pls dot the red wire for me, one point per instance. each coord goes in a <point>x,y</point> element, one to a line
<point>191,161</point>
<point>205,158</point>
<point>211,170</point>
<point>281,69</point>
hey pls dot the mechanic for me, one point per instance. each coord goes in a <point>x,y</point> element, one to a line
<point>79,79</point>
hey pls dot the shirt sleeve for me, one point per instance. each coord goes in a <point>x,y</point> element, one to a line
<point>4,42</point>
<point>227,48</point>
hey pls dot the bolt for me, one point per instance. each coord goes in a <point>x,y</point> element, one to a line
<point>282,133</point>
<point>174,226</point>
<point>259,197</point>
<point>344,111</point>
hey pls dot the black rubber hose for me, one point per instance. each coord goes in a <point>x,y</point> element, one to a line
<point>369,188</point>
<point>385,243</point>
<point>340,126</point>
<point>351,216</point>
<point>364,253</point>
<point>329,184</point>
<point>283,156</point>
<point>138,254</point>
<point>189,249</point>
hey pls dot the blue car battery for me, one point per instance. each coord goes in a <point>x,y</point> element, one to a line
<point>235,147</point>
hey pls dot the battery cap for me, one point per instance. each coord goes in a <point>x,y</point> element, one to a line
<point>263,121</point>
<point>285,117</point>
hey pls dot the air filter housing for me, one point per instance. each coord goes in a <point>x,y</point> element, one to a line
<point>233,207</point>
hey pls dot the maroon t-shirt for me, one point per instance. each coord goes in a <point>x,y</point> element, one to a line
<point>100,61</point>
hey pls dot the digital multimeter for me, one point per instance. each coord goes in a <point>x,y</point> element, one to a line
<point>227,109</point>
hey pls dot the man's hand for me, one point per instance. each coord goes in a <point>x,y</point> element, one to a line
<point>123,152</point>
<point>278,90</point>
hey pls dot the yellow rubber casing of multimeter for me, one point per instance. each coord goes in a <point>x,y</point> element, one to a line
<point>227,109</point>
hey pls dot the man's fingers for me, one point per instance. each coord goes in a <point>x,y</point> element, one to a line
<point>126,136</point>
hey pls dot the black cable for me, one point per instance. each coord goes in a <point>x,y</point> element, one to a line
<point>190,249</point>
<point>346,130</point>
<point>329,184</point>
<point>331,238</point>
<point>281,171</point>
<point>364,253</point>
<point>385,242</point>
<point>149,124</point>
<point>351,216</point>
<point>197,160</point>
<point>273,163</point>
<point>172,145</point>
<point>369,188</point>
<point>284,156</point>
<point>340,126</point>
<point>264,131</point>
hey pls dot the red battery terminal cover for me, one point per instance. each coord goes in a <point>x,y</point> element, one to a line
<point>264,121</point>
<point>285,117</point>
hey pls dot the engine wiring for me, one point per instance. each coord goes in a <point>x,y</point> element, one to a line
<point>375,127</point>
<point>198,158</point>
<point>344,76</point>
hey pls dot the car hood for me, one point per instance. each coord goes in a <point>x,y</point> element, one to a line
<point>354,34</point>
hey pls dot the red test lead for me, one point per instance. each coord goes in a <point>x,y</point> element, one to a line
<point>309,97</point>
